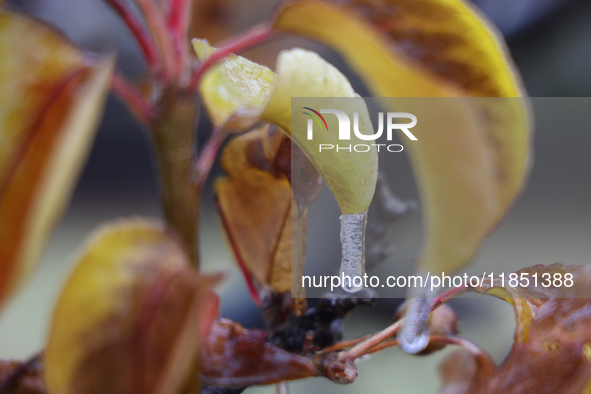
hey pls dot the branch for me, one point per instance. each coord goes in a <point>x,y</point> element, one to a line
<point>153,14</point>
<point>370,343</point>
<point>202,166</point>
<point>448,295</point>
<point>178,23</point>
<point>382,346</point>
<point>345,344</point>
<point>132,97</point>
<point>376,342</point>
<point>256,36</point>
<point>143,38</point>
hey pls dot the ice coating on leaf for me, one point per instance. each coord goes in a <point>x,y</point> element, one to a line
<point>236,87</point>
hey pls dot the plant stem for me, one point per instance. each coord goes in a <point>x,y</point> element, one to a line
<point>173,131</point>
<point>365,346</point>
<point>143,38</point>
<point>207,155</point>
<point>448,295</point>
<point>135,101</point>
<point>154,17</point>
<point>179,17</point>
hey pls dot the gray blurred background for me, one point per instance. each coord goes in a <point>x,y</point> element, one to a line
<point>550,42</point>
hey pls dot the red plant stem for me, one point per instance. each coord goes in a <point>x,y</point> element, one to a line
<point>143,38</point>
<point>256,36</point>
<point>154,16</point>
<point>178,23</point>
<point>136,102</point>
<point>448,295</point>
<point>205,160</point>
<point>365,346</point>
<point>345,344</point>
<point>382,346</point>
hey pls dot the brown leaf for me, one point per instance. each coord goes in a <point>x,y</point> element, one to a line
<point>51,99</point>
<point>255,203</point>
<point>461,373</point>
<point>22,378</point>
<point>234,356</point>
<point>131,316</point>
<point>552,346</point>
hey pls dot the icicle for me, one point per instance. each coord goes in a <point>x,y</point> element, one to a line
<point>414,335</point>
<point>353,251</point>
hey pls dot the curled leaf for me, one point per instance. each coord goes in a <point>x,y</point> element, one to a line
<point>461,373</point>
<point>236,90</point>
<point>550,353</point>
<point>248,92</point>
<point>255,204</point>
<point>131,316</point>
<point>51,99</point>
<point>467,177</point>
<point>350,176</point>
<point>235,356</point>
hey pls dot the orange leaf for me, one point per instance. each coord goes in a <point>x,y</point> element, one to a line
<point>131,316</point>
<point>255,204</point>
<point>552,348</point>
<point>51,99</point>
<point>235,356</point>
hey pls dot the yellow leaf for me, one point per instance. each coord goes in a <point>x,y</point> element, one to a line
<point>437,48</point>
<point>129,317</point>
<point>236,88</point>
<point>249,92</point>
<point>51,99</point>
<point>351,176</point>
<point>528,300</point>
